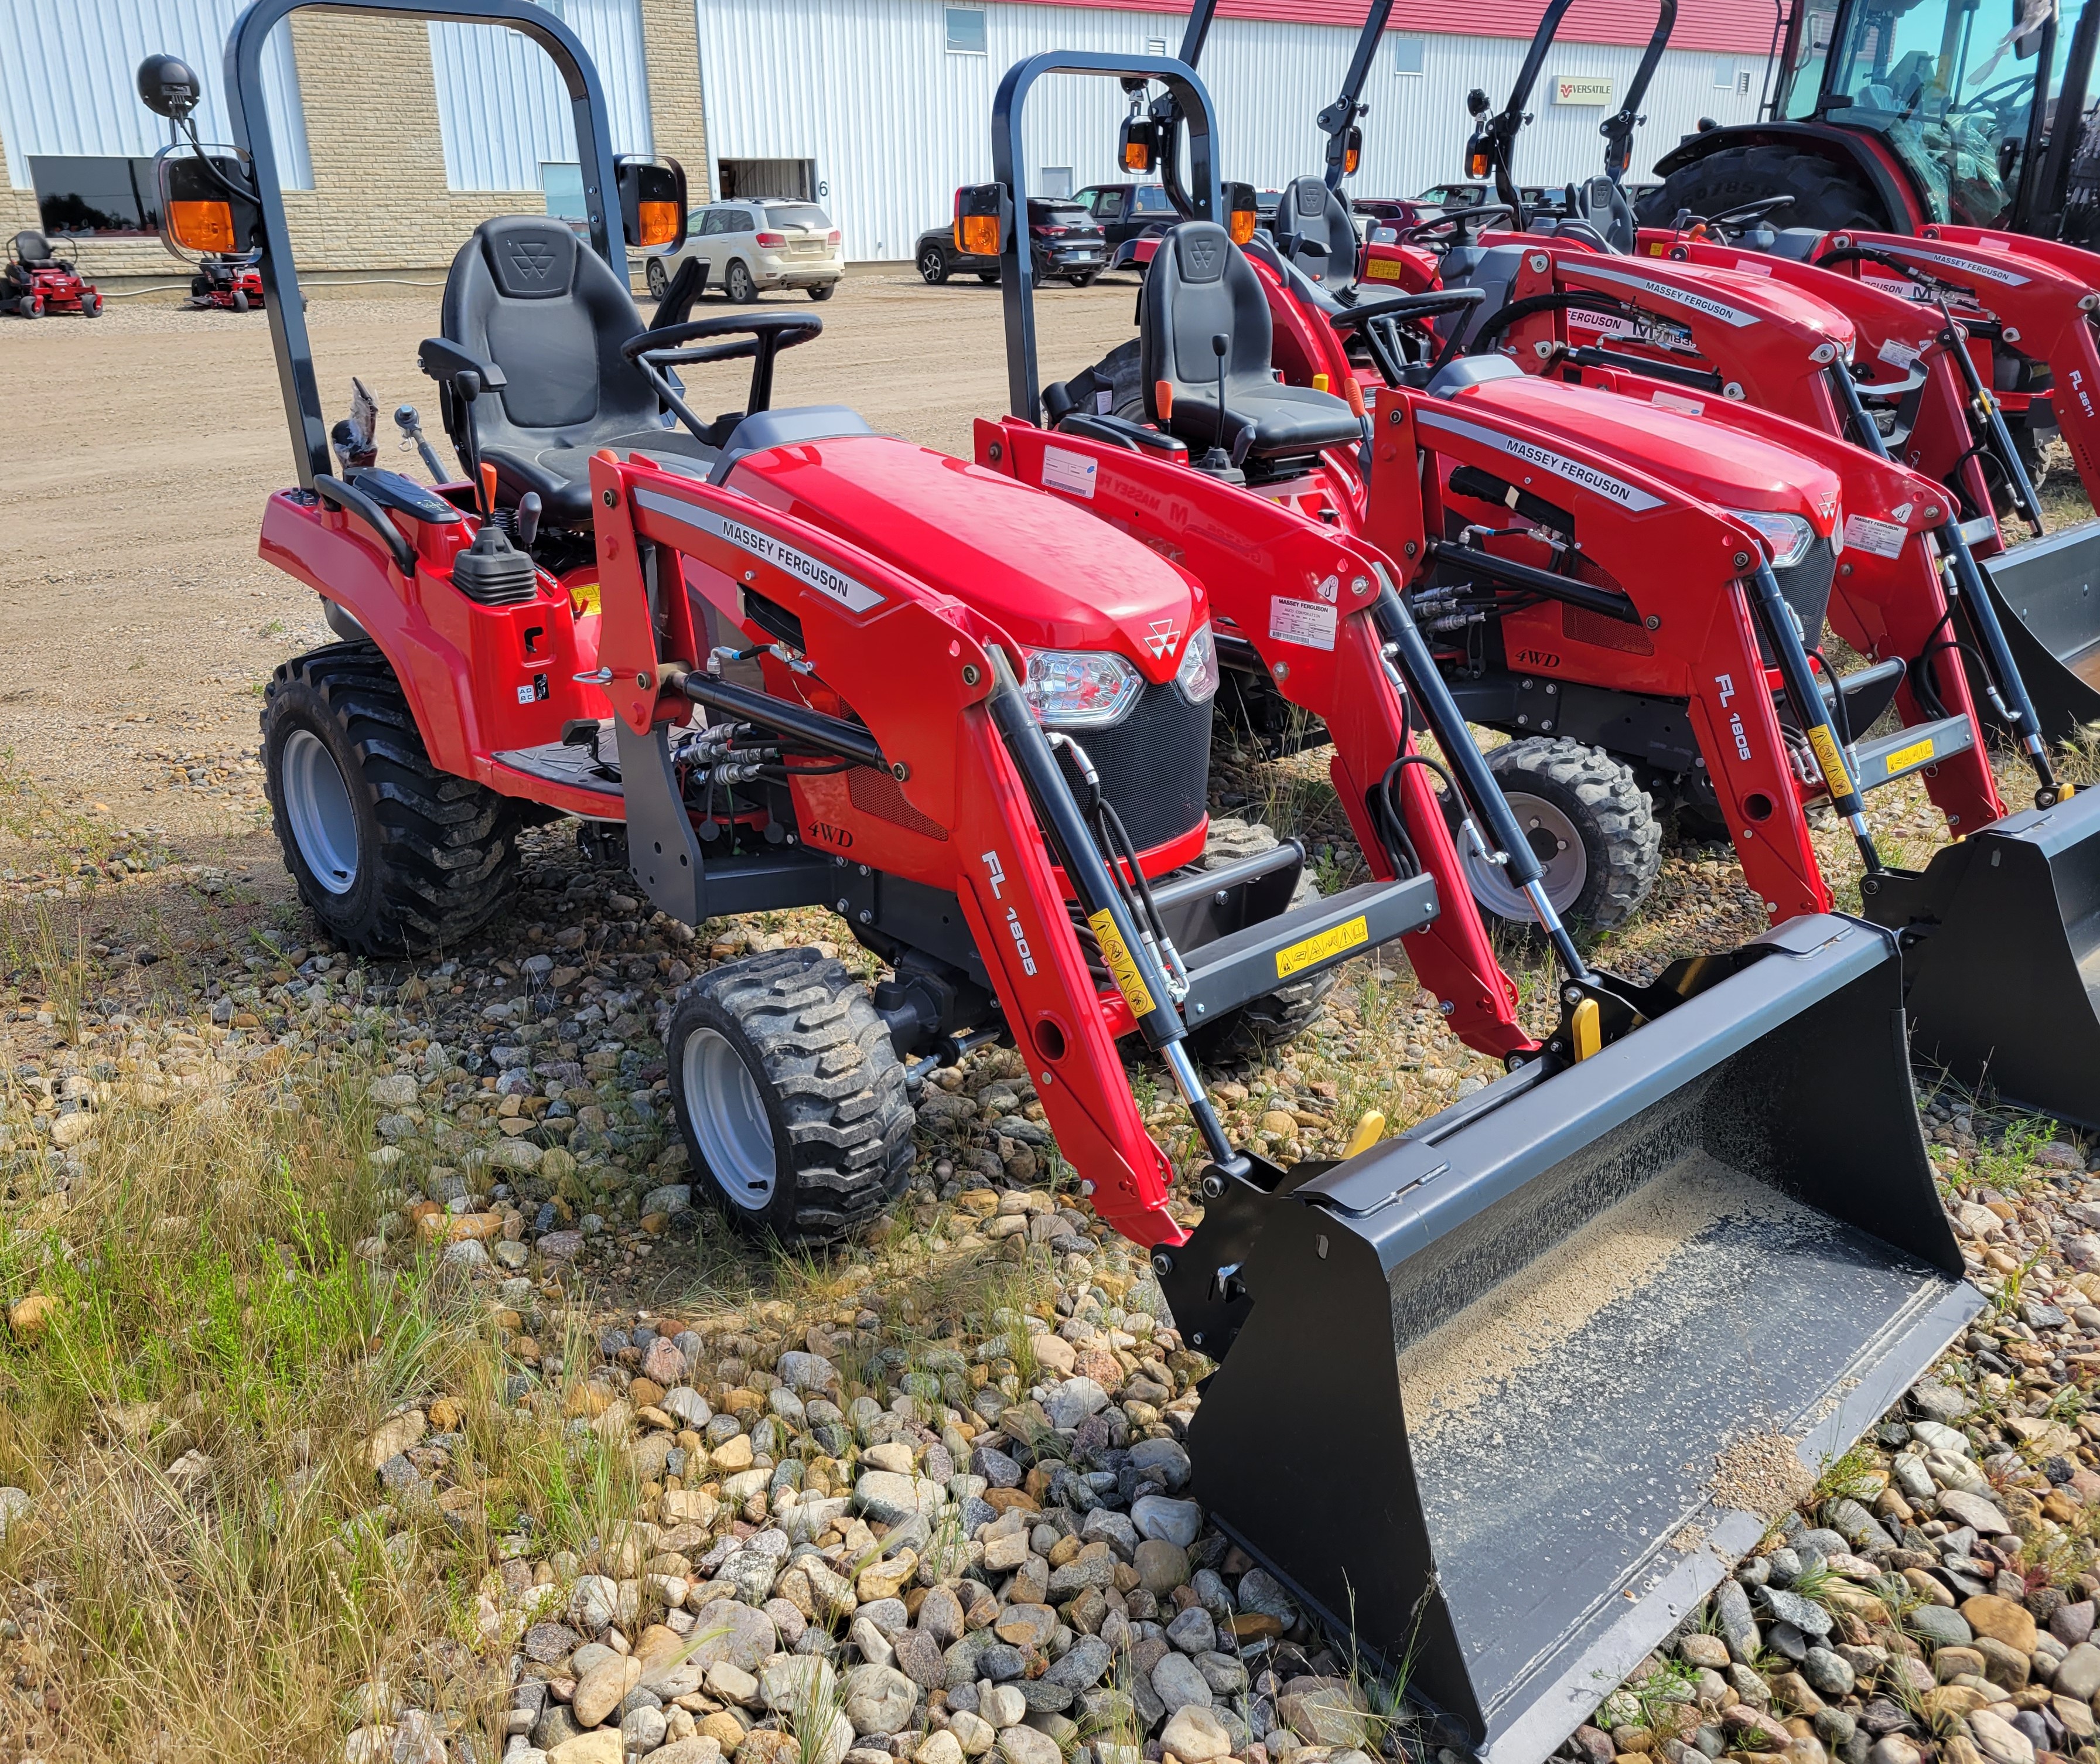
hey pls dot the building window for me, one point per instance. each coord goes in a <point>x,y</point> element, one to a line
<point>1407,53</point>
<point>966,30</point>
<point>1724,74</point>
<point>103,198</point>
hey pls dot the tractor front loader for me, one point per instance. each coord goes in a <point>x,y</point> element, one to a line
<point>1500,1258</point>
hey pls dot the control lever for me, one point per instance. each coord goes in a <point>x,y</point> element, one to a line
<point>410,425</point>
<point>528,518</point>
<point>1217,460</point>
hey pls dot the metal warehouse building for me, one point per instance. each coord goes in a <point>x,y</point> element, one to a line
<point>399,136</point>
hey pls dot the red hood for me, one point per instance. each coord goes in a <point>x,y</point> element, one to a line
<point>1729,299</point>
<point>1714,463</point>
<point>1053,575</point>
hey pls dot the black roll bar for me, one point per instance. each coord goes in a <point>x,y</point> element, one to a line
<point>1618,128</point>
<point>1337,119</point>
<point>1009,167</point>
<point>251,135</point>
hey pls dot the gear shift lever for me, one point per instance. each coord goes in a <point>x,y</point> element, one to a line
<point>1218,460</point>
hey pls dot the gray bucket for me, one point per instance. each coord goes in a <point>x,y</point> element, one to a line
<point>2048,599</point>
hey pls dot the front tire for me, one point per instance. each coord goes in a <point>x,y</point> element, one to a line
<point>933,267</point>
<point>90,306</point>
<point>658,278</point>
<point>1277,1016</point>
<point>239,300</point>
<point>1827,195</point>
<point>30,305</point>
<point>789,1094</point>
<point>1590,825</point>
<point>738,285</point>
<point>391,855</point>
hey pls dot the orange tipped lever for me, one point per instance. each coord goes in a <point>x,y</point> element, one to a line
<point>487,489</point>
<point>1162,398</point>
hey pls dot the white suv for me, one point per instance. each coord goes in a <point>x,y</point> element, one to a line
<point>749,246</point>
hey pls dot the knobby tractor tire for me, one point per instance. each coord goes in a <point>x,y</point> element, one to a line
<point>1604,805</point>
<point>435,855</point>
<point>1827,195</point>
<point>1291,1010</point>
<point>789,1094</point>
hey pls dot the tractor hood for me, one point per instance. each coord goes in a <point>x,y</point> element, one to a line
<point>1724,302</point>
<point>1707,460</point>
<point>1052,574</point>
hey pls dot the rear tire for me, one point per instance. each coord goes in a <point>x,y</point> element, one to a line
<point>789,1094</point>
<point>822,290</point>
<point>1086,280</point>
<point>932,267</point>
<point>1827,195</point>
<point>1591,825</point>
<point>989,278</point>
<point>391,855</point>
<point>738,285</point>
<point>1277,1016</point>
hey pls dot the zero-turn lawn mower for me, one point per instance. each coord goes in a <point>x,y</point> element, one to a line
<point>808,679</point>
<point>36,280</point>
<point>1853,537</point>
<point>226,283</point>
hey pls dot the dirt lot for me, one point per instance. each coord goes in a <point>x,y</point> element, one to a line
<point>141,625</point>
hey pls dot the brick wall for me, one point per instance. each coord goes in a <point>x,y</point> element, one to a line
<point>379,201</point>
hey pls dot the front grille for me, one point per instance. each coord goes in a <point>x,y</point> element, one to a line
<point>1154,764</point>
<point>1806,588</point>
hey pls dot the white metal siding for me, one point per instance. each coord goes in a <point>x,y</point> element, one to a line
<point>867,90</point>
<point>504,110</point>
<point>66,80</point>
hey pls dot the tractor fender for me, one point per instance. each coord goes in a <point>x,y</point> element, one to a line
<point>1880,172</point>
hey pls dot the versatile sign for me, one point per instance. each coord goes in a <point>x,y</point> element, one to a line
<point>1582,88</point>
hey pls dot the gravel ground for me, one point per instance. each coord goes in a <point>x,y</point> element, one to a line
<point>925,1497</point>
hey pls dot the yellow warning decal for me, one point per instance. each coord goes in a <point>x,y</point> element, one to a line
<point>1830,759</point>
<point>1916,754</point>
<point>583,599</point>
<point>1321,945</point>
<point>1116,954</point>
<point>1382,270</point>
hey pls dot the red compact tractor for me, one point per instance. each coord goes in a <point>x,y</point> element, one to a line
<point>780,660</point>
<point>37,280</point>
<point>227,284</point>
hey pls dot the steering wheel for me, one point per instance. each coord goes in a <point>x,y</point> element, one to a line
<point>1992,96</point>
<point>1380,319</point>
<point>758,337</point>
<point>1452,221</point>
<point>1736,220</point>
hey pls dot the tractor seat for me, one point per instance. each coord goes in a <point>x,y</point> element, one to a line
<point>526,294</point>
<point>33,251</point>
<point>1200,286</point>
<point>1313,229</point>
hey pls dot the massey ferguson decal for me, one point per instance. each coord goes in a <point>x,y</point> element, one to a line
<point>1727,315</point>
<point>854,596</point>
<point>1627,496</point>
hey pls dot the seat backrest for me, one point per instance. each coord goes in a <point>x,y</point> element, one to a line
<point>1201,285</point>
<point>1311,215</point>
<point>526,294</point>
<point>33,248</point>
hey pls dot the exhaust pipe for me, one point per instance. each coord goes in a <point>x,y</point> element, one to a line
<point>1505,1397</point>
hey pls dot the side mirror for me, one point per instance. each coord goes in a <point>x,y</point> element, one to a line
<point>1140,144</point>
<point>1352,153</point>
<point>984,214</point>
<point>1241,216</point>
<point>200,214</point>
<point>652,202</point>
<point>168,88</point>
<point>1479,162</point>
<point>1476,103</point>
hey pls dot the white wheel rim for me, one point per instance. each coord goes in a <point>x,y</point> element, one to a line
<point>729,1118</point>
<point>1567,864</point>
<point>656,278</point>
<point>322,819</point>
<point>930,266</point>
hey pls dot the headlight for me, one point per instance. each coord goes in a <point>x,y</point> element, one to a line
<point>1788,535</point>
<point>1080,688</point>
<point>1197,675</point>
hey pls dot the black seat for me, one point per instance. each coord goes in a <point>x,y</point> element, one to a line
<point>1313,229</point>
<point>525,294</point>
<point>33,251</point>
<point>1200,286</point>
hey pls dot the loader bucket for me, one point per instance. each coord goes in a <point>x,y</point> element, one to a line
<point>2048,597</point>
<point>2005,985</point>
<point>1509,1393</point>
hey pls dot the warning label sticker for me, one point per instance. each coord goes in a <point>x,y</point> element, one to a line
<point>1829,760</point>
<point>1322,945</point>
<point>1690,407</point>
<point>1115,954</point>
<point>1896,354</point>
<point>1903,759</point>
<point>1072,472</point>
<point>1884,538</point>
<point>1303,622</point>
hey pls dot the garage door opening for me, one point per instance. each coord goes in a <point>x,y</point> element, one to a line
<point>749,180</point>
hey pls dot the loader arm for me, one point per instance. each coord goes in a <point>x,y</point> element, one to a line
<point>868,630</point>
<point>1303,595</point>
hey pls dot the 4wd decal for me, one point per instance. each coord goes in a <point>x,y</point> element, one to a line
<point>1627,496</point>
<point>854,596</point>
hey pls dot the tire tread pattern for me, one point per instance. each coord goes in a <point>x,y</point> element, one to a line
<point>1611,798</point>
